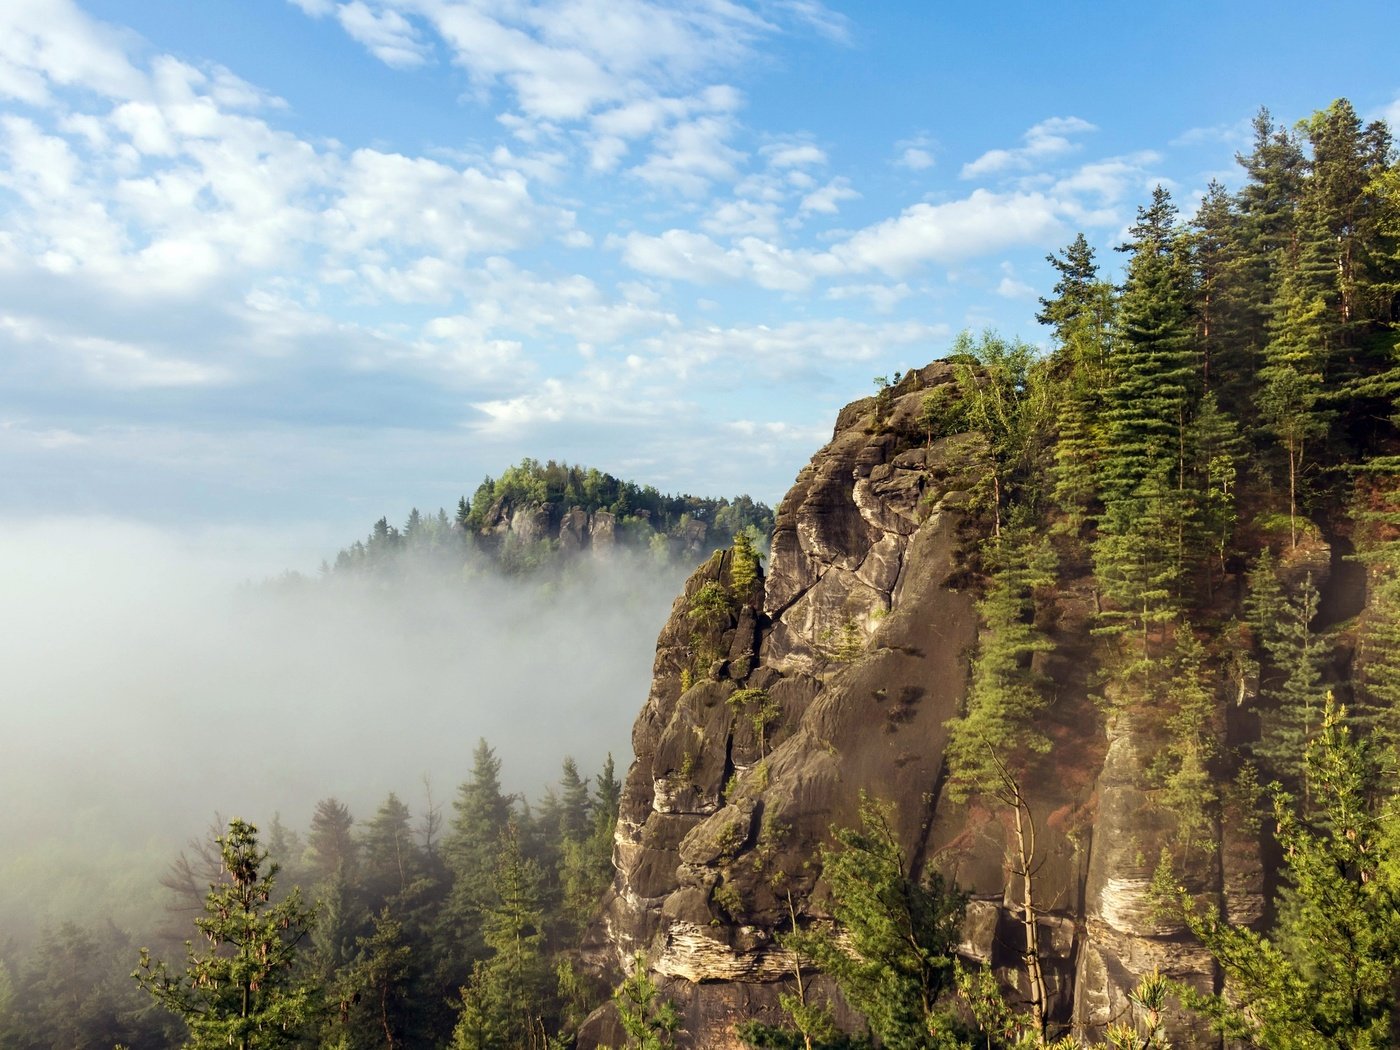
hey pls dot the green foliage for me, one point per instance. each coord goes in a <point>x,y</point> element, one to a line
<point>942,412</point>
<point>502,1005</point>
<point>1006,692</point>
<point>762,711</point>
<point>1326,975</point>
<point>1183,767</point>
<point>480,815</point>
<point>73,990</point>
<point>241,987</point>
<point>1283,623</point>
<point>649,1020</point>
<point>1007,399</point>
<point>743,567</point>
<point>884,396</point>
<point>1215,447</point>
<point>710,605</point>
<point>893,955</point>
<point>644,518</point>
<point>981,994</point>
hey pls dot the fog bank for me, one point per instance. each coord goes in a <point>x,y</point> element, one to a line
<point>145,689</point>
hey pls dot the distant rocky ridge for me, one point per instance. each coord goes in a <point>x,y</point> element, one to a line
<point>859,638</point>
<point>536,514</point>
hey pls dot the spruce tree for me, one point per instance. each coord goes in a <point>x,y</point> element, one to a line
<point>893,955</point>
<point>242,985</point>
<point>1081,314</point>
<point>502,1005</point>
<point>1326,975</point>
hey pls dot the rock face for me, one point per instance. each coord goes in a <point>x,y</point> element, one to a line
<point>773,708</point>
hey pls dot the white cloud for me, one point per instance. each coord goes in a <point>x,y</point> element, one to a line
<point>979,224</point>
<point>831,24</point>
<point>916,159</point>
<point>1010,288</point>
<point>915,153</point>
<point>681,255</point>
<point>689,156</point>
<point>794,155</point>
<point>740,218</point>
<point>982,223</point>
<point>106,362</point>
<point>1050,138</point>
<point>392,201</point>
<point>786,350</point>
<point>16,432</point>
<point>47,44</point>
<point>827,200</point>
<point>883,297</point>
<point>389,36</point>
<point>1236,135</point>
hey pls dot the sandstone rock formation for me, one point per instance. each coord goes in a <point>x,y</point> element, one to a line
<point>837,674</point>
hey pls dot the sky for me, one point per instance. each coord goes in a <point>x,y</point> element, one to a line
<point>296,264</point>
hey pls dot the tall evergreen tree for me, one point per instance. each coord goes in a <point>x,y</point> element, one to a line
<point>244,987</point>
<point>502,1003</point>
<point>480,814</point>
<point>893,955</point>
<point>1326,975</point>
<point>1081,313</point>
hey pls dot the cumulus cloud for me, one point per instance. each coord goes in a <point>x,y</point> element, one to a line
<point>827,199</point>
<point>982,223</point>
<point>681,255</point>
<point>883,298</point>
<point>794,155</point>
<point>389,36</point>
<point>915,153</point>
<point>1048,139</point>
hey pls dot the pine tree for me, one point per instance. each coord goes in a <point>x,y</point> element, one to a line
<point>1226,319</point>
<point>574,803</point>
<point>1006,693</point>
<point>893,955</point>
<point>242,988</point>
<point>1154,368</point>
<point>1215,448</point>
<point>1346,161</point>
<point>990,744</point>
<point>1183,765</point>
<point>649,1020</point>
<point>392,858</point>
<point>1081,313</point>
<point>1326,975</point>
<point>1281,619</point>
<point>480,814</point>
<point>330,844</point>
<point>502,1004</point>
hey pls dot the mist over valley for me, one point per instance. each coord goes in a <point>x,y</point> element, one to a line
<point>150,684</point>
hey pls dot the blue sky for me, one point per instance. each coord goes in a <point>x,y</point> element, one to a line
<point>300,263</point>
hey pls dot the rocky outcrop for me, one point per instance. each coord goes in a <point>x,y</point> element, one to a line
<point>773,708</point>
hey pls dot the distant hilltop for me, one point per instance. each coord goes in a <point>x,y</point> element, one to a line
<point>540,514</point>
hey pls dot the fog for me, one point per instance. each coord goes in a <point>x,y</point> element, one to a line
<point>146,687</point>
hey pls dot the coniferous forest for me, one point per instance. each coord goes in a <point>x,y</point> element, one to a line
<point>1210,438</point>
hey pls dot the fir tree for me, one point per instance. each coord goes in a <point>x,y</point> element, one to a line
<point>893,957</point>
<point>243,987</point>
<point>1326,974</point>
<point>502,1003</point>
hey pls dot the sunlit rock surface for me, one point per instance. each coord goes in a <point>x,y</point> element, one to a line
<point>860,638</point>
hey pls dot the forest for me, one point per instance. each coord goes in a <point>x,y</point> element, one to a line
<point>484,534</point>
<point>1204,441</point>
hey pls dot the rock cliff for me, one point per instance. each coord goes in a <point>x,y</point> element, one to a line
<point>835,675</point>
